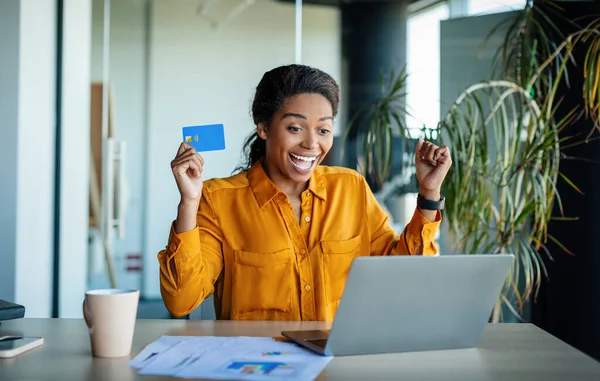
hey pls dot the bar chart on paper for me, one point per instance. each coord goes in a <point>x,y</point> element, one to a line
<point>228,358</point>
<point>272,368</point>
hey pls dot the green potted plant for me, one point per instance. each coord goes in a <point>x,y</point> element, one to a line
<point>376,123</point>
<point>505,137</point>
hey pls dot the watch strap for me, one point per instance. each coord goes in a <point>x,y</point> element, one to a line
<point>426,204</point>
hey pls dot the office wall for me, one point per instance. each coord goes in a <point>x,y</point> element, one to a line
<point>9,125</point>
<point>35,160</point>
<point>27,153</point>
<point>464,61</point>
<point>199,75</point>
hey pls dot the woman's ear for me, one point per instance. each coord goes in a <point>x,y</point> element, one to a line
<point>261,130</point>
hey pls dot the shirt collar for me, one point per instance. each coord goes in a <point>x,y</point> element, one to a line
<point>264,190</point>
<point>317,184</point>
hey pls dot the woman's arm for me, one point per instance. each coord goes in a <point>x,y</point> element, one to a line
<point>417,238</point>
<point>433,195</point>
<point>432,164</point>
<point>192,260</point>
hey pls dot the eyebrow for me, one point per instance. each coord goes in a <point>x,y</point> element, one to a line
<point>300,116</point>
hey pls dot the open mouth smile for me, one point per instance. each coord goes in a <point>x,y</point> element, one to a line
<point>303,163</point>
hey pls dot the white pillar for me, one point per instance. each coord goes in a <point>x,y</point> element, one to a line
<point>75,155</point>
<point>27,120</point>
<point>28,88</point>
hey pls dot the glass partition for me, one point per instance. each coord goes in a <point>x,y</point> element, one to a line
<point>170,64</point>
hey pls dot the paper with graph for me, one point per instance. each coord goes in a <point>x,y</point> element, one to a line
<point>228,358</point>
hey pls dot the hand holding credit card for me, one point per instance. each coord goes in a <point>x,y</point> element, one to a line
<point>205,138</point>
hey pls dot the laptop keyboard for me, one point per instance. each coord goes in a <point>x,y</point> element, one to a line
<point>318,338</point>
<point>318,334</point>
<point>321,343</point>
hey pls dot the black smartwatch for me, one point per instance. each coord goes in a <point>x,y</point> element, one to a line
<point>426,204</point>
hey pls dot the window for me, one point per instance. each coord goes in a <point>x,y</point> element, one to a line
<point>423,88</point>
<point>423,56</point>
<point>480,7</point>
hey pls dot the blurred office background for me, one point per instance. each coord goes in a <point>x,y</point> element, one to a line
<point>93,95</point>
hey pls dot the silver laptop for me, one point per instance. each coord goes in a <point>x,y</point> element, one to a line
<point>411,303</point>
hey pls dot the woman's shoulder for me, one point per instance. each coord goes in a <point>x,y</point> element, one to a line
<point>236,181</point>
<point>339,174</point>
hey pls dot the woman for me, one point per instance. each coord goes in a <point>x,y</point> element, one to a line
<point>276,241</point>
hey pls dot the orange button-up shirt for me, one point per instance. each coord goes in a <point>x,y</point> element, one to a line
<point>261,264</point>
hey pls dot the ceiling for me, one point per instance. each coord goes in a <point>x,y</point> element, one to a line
<point>338,2</point>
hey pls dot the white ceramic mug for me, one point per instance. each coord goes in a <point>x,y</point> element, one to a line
<point>110,315</point>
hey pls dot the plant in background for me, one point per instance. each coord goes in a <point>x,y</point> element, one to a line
<point>505,136</point>
<point>377,123</point>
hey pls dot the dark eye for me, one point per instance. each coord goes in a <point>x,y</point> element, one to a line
<point>294,129</point>
<point>324,131</point>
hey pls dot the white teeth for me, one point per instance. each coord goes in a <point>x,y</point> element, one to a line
<point>304,158</point>
<point>303,164</point>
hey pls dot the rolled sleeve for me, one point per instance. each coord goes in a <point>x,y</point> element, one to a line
<point>180,246</point>
<point>420,234</point>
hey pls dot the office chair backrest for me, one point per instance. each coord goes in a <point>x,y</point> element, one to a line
<point>205,311</point>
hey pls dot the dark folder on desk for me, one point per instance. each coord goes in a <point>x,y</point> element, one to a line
<point>10,310</point>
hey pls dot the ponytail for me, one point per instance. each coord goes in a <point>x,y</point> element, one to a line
<point>254,149</point>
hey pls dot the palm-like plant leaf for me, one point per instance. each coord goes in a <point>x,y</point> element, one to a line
<point>503,180</point>
<point>378,123</point>
<point>506,141</point>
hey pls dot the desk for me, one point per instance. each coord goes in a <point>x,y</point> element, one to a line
<point>507,352</point>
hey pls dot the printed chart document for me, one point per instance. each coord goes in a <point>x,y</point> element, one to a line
<point>228,358</point>
<point>149,353</point>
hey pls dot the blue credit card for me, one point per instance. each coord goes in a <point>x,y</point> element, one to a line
<point>205,138</point>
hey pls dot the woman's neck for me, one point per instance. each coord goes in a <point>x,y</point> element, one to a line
<point>291,188</point>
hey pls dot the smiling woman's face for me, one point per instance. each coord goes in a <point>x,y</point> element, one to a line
<point>299,137</point>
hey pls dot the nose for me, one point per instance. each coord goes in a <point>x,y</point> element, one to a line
<point>310,141</point>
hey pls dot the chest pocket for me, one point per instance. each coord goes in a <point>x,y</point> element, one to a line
<point>337,259</point>
<point>262,282</point>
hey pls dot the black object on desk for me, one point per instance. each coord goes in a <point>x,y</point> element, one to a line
<point>10,310</point>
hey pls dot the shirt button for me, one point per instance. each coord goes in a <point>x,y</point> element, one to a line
<point>307,219</point>
<point>426,232</point>
<point>307,287</point>
<point>307,194</point>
